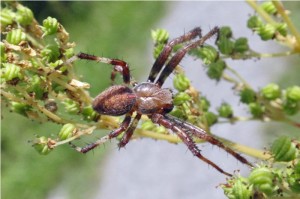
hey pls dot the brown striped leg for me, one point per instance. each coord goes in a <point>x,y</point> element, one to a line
<point>163,56</point>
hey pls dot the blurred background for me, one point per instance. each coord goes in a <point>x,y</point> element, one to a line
<point>145,168</point>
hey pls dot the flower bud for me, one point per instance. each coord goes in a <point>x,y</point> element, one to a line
<point>10,72</point>
<point>281,28</point>
<point>269,7</point>
<point>71,106</point>
<point>209,118</point>
<point>225,31</point>
<point>225,45</point>
<point>293,93</point>
<point>51,53</point>
<point>241,45</point>
<point>266,32</point>
<point>6,17</point>
<point>254,22</point>
<point>208,54</point>
<point>89,114</point>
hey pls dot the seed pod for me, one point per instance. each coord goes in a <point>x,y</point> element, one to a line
<point>181,82</point>
<point>89,114</point>
<point>71,106</point>
<point>241,45</point>
<point>50,53</point>
<point>269,7</point>
<point>6,17</point>
<point>254,22</point>
<point>50,26</point>
<point>291,107</point>
<point>257,110</point>
<point>271,91</point>
<point>294,179</point>
<point>266,32</point>
<point>247,95</point>
<point>283,149</point>
<point>148,125</point>
<point>225,31</point>
<point>241,190</point>
<point>204,104</point>
<point>24,15</point>
<point>262,179</point>
<point>215,70</point>
<point>282,28</point>
<point>225,110</point>
<point>10,72</point>
<point>209,118</point>
<point>180,98</point>
<point>293,93</point>
<point>225,45</point>
<point>41,145</point>
<point>160,36</point>
<point>15,36</point>
<point>208,54</point>
<point>66,131</point>
<point>20,108</point>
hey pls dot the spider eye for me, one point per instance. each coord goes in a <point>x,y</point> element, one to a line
<point>116,100</point>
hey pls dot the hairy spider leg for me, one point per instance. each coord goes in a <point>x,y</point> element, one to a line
<point>186,139</point>
<point>129,132</point>
<point>175,60</point>
<point>123,127</point>
<point>163,56</point>
<point>119,65</point>
<point>200,133</point>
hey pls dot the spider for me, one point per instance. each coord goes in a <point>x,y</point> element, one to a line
<point>150,99</point>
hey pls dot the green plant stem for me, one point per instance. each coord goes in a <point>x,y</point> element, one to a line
<point>261,12</point>
<point>288,21</point>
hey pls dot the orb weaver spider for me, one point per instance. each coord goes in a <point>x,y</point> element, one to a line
<point>150,99</point>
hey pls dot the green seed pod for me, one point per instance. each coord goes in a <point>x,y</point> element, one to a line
<point>160,35</point>
<point>266,32</point>
<point>51,53</point>
<point>209,118</point>
<point>225,45</point>
<point>290,107</point>
<point>241,190</point>
<point>225,111</point>
<point>181,82</point>
<point>283,149</point>
<point>20,108</point>
<point>293,93</point>
<point>15,36</point>
<point>157,50</point>
<point>225,31</point>
<point>204,104</point>
<point>50,26</point>
<point>66,131</point>
<point>247,96</point>
<point>241,45</point>
<point>69,53</point>
<point>2,50</point>
<point>71,106</point>
<point>282,28</point>
<point>10,72</point>
<point>294,179</point>
<point>41,145</point>
<point>269,7</point>
<point>271,91</point>
<point>24,15</point>
<point>254,22</point>
<point>37,87</point>
<point>180,98</point>
<point>6,17</point>
<point>262,179</point>
<point>215,70</point>
<point>178,112</point>
<point>148,125</point>
<point>89,114</point>
<point>208,54</point>
<point>257,110</point>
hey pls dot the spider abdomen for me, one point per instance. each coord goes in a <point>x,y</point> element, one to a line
<point>152,99</point>
<point>116,100</point>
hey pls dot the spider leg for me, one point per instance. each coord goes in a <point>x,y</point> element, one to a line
<point>186,138</point>
<point>163,56</point>
<point>128,133</point>
<point>124,125</point>
<point>200,133</point>
<point>119,65</point>
<point>175,60</point>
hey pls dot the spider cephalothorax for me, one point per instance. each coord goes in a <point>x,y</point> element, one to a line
<point>148,98</point>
